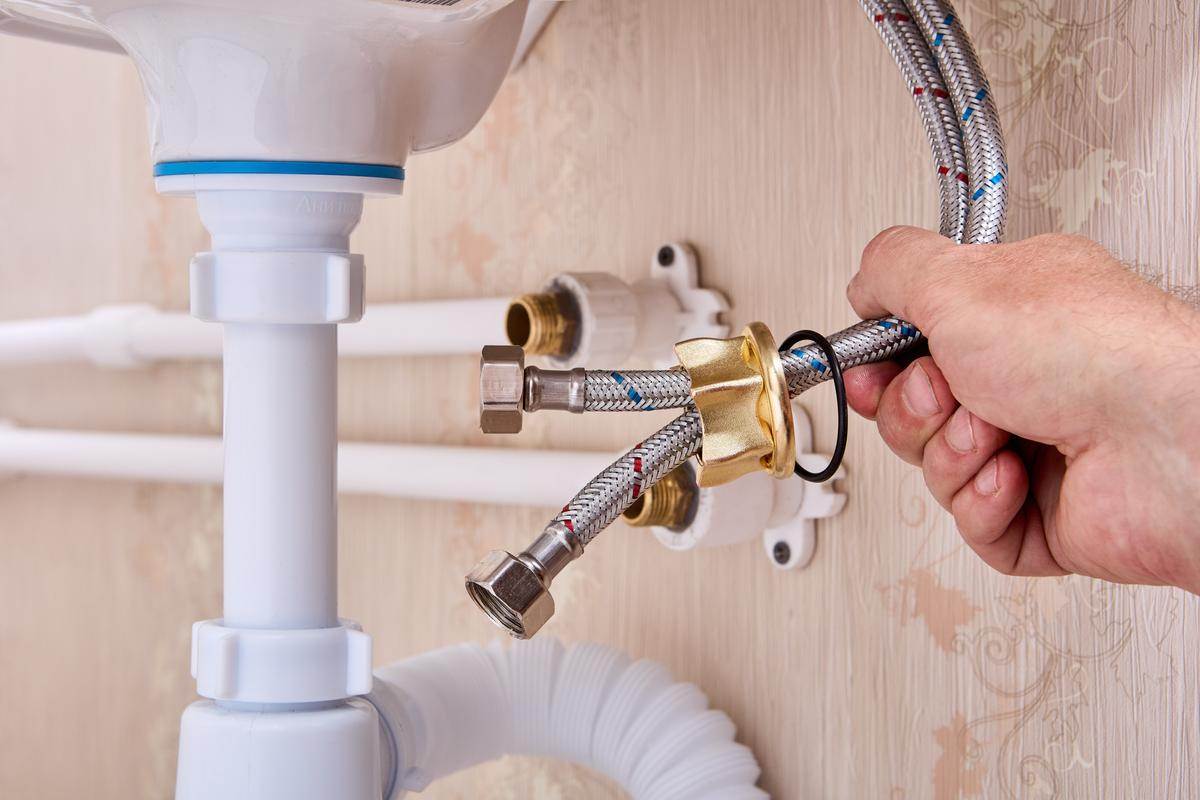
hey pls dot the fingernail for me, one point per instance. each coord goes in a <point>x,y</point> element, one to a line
<point>918,393</point>
<point>985,481</point>
<point>960,434</point>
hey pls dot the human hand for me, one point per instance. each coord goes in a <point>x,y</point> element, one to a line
<point>1058,415</point>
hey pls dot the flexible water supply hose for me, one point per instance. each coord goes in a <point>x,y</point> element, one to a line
<point>939,64</point>
<point>463,705</point>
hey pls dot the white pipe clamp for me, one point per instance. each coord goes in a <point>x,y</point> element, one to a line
<point>277,287</point>
<point>259,666</point>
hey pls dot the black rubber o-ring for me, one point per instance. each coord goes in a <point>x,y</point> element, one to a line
<point>839,387</point>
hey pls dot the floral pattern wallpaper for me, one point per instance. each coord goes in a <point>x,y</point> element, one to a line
<point>774,136</point>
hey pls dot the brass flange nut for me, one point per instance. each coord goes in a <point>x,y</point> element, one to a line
<point>739,387</point>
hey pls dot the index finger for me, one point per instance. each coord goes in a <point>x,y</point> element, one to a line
<point>894,270</point>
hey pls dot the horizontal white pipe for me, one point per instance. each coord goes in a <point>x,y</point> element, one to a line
<point>57,33</point>
<point>629,720</point>
<point>504,476</point>
<point>137,335</point>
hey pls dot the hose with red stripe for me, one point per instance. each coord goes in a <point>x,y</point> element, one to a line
<point>952,95</point>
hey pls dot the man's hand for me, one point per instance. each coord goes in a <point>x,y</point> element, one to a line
<point>1058,418</point>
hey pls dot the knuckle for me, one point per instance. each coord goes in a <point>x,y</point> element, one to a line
<point>887,243</point>
<point>933,295</point>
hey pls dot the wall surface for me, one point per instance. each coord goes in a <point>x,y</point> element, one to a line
<point>775,136</point>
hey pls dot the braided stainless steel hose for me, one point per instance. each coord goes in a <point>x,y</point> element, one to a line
<point>514,591</point>
<point>921,73</point>
<point>804,367</point>
<point>636,389</point>
<point>613,490</point>
<point>983,141</point>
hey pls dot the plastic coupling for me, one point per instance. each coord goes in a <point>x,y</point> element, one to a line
<point>514,591</point>
<point>741,392</point>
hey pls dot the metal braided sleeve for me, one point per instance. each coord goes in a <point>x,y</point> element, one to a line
<point>921,73</point>
<point>804,367</point>
<point>636,390</point>
<point>612,491</point>
<point>862,343</point>
<point>983,142</point>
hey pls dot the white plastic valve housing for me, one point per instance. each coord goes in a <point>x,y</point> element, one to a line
<point>619,321</point>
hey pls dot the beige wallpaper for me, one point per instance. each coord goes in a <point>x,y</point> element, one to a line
<point>776,137</point>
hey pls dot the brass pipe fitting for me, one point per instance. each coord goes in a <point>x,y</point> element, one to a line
<point>741,393</point>
<point>543,324</point>
<point>670,503</point>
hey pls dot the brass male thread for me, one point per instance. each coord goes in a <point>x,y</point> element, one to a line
<point>668,504</point>
<point>543,323</point>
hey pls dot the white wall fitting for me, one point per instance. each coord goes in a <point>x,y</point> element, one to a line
<point>642,320</point>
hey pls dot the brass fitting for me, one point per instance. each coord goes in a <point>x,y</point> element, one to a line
<point>670,503</point>
<point>544,324</point>
<point>741,393</point>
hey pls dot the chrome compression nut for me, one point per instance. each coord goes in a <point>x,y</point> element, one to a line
<point>507,387</point>
<point>501,388</point>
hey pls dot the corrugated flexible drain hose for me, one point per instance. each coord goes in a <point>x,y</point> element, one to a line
<point>450,709</point>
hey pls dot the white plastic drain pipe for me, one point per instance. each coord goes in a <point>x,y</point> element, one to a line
<point>140,335</point>
<point>478,474</point>
<point>453,708</point>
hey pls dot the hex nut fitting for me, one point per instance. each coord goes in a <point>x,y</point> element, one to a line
<point>511,593</point>
<point>501,388</point>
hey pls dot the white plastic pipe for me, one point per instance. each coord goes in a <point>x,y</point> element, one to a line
<point>453,708</point>
<point>504,476</point>
<point>280,498</point>
<point>68,33</point>
<point>139,335</point>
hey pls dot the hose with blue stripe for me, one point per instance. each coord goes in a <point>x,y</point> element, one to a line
<point>942,71</point>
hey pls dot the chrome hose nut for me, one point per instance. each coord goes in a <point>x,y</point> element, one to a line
<point>514,591</point>
<point>511,593</point>
<point>501,388</point>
